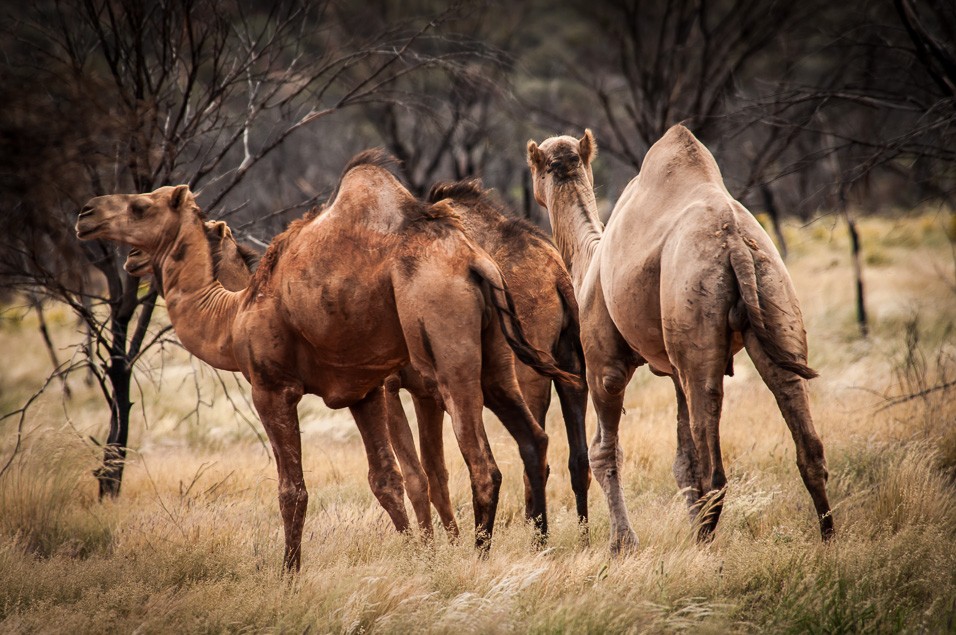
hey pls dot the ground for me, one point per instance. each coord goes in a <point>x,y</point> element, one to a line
<point>194,542</point>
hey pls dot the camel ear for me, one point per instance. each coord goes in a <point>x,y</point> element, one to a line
<point>181,195</point>
<point>220,228</point>
<point>587,147</point>
<point>535,156</point>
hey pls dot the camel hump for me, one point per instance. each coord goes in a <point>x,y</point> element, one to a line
<point>376,157</point>
<point>770,304</point>
<point>678,159</point>
<point>503,303</point>
<point>463,190</point>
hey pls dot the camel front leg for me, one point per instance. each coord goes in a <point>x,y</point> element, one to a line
<point>277,408</point>
<point>574,409</point>
<point>416,482</point>
<point>383,476</point>
<point>607,384</point>
<point>574,403</point>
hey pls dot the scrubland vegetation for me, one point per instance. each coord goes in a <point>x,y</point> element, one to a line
<point>194,542</point>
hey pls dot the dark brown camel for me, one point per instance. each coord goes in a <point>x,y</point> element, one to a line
<point>340,301</point>
<point>681,279</point>
<point>544,302</point>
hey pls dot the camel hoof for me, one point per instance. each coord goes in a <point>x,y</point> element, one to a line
<point>706,512</point>
<point>827,530</point>
<point>624,543</point>
<point>584,534</point>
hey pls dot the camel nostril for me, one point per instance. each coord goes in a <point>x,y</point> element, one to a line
<point>86,211</point>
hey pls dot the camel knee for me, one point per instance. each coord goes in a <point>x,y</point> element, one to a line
<point>393,383</point>
<point>293,500</point>
<point>580,468</point>
<point>417,481</point>
<point>613,380</point>
<point>811,460</point>
<point>718,480</point>
<point>684,472</point>
<point>485,488</point>
<point>386,484</point>
<point>604,463</point>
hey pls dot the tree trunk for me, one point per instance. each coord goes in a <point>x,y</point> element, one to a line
<point>110,474</point>
<point>123,302</point>
<point>861,318</point>
<point>771,206</point>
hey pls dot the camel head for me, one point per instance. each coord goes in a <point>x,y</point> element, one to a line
<point>139,263</point>
<point>560,160</point>
<point>149,222</point>
<point>232,263</point>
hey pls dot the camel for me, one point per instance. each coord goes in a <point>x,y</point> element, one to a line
<point>233,266</point>
<point>545,304</point>
<point>682,278</point>
<point>233,262</point>
<point>340,301</point>
<point>548,312</point>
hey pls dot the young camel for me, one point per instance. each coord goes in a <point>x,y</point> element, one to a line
<point>682,278</point>
<point>233,266</point>
<point>545,304</point>
<point>340,301</point>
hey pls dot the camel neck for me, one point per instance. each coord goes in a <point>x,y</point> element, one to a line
<point>576,227</point>
<point>200,309</point>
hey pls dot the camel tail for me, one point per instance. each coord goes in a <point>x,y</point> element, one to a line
<point>570,339</point>
<point>770,333</point>
<point>487,271</point>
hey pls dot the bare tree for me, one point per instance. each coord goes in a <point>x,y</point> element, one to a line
<point>114,95</point>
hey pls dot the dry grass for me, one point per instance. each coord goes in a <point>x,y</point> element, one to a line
<point>194,542</point>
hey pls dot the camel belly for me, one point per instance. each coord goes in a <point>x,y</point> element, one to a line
<point>632,295</point>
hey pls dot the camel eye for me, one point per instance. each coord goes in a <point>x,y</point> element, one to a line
<point>139,208</point>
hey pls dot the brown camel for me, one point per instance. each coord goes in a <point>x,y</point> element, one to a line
<point>340,301</point>
<point>682,278</point>
<point>233,262</point>
<point>233,266</point>
<point>545,304</point>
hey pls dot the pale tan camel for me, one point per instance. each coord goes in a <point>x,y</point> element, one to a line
<point>233,266</point>
<point>682,278</point>
<point>340,301</point>
<point>544,302</point>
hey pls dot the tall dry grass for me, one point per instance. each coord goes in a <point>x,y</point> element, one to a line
<point>194,542</point>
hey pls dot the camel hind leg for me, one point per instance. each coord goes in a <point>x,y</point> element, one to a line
<point>536,392</point>
<point>416,481</point>
<point>686,466</point>
<point>793,399</point>
<point>383,476</point>
<point>703,387</point>
<point>430,423</point>
<point>502,396</point>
